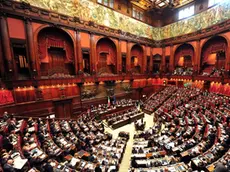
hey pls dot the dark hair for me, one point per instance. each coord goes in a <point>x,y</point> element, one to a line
<point>220,168</point>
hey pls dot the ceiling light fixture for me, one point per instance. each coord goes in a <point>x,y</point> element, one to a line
<point>160,4</point>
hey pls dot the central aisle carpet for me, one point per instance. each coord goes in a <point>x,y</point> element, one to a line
<point>125,163</point>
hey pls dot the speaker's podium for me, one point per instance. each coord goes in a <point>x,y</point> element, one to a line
<point>63,108</point>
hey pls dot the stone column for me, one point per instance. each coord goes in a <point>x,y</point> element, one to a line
<point>151,60</point>
<point>119,57</point>
<point>163,62</point>
<point>171,61</point>
<point>30,44</point>
<point>227,62</point>
<point>197,58</point>
<point>79,52</point>
<point>144,61</point>
<point>2,66</point>
<point>92,54</point>
<point>7,55</point>
<point>128,58</point>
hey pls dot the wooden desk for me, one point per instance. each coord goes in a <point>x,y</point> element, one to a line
<point>81,153</point>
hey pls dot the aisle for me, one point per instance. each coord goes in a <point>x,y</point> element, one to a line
<point>125,163</point>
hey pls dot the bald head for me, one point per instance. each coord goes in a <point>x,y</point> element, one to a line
<point>220,168</point>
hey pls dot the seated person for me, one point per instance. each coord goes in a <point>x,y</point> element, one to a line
<point>8,166</point>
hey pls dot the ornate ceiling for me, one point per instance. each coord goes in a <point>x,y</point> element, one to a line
<point>159,4</point>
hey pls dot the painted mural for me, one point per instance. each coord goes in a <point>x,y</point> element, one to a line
<point>214,15</point>
<point>90,11</point>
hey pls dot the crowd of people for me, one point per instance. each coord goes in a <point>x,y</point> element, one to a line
<point>122,118</point>
<point>183,71</point>
<point>107,107</point>
<point>214,72</point>
<point>209,71</point>
<point>48,145</point>
<point>157,99</point>
<point>140,124</point>
<point>191,133</point>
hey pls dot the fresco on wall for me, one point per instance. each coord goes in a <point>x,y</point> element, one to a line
<point>90,11</point>
<point>212,16</point>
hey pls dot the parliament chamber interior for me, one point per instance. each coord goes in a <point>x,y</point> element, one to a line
<point>114,85</point>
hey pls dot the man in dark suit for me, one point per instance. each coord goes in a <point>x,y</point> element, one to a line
<point>8,166</point>
<point>98,168</point>
<point>134,163</point>
<point>1,138</point>
<point>6,144</point>
<point>11,127</point>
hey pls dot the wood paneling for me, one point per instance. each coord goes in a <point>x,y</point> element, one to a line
<point>27,103</point>
<point>123,46</point>
<point>63,108</point>
<point>157,51</point>
<point>16,28</point>
<point>85,40</point>
<point>148,51</point>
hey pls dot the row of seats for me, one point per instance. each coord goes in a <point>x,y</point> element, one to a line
<point>122,118</point>
<point>157,99</point>
<point>183,71</point>
<point>52,145</point>
<point>191,134</point>
<point>213,72</point>
<point>105,108</point>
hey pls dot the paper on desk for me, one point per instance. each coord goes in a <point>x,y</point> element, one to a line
<point>171,169</point>
<point>73,161</point>
<point>171,144</point>
<point>31,129</point>
<point>19,162</point>
<point>33,145</point>
<point>112,168</point>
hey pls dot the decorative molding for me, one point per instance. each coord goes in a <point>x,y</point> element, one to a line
<point>20,10</point>
<point>49,17</point>
<point>103,16</point>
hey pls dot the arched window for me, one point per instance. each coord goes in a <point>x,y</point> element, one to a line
<point>186,12</point>
<point>108,3</point>
<point>213,2</point>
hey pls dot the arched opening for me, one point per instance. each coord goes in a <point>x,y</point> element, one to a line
<point>183,60</point>
<point>56,53</point>
<point>213,56</point>
<point>156,63</point>
<point>107,54</point>
<point>136,58</point>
